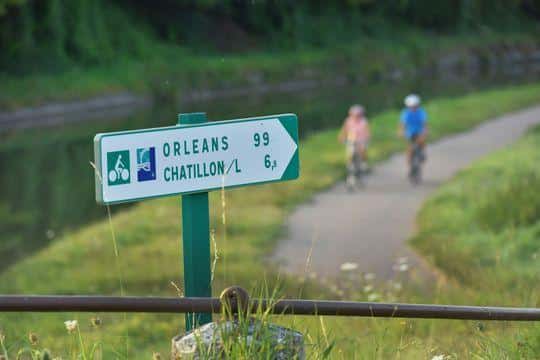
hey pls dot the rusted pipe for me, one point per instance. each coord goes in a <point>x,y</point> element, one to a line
<point>22,303</point>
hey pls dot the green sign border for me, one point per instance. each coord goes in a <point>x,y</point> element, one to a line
<point>288,121</point>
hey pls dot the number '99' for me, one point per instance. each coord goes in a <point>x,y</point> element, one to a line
<point>258,139</point>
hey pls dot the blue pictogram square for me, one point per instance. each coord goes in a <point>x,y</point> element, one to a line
<point>146,164</point>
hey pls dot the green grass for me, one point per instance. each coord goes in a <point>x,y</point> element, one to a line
<point>166,71</point>
<point>484,228</point>
<point>246,224</point>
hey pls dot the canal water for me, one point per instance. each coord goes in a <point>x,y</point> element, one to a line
<point>47,182</point>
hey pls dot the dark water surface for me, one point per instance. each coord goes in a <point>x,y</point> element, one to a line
<point>47,183</point>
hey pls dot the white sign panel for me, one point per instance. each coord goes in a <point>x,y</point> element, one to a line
<point>141,164</point>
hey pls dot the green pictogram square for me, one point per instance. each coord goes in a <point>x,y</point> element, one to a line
<point>118,167</point>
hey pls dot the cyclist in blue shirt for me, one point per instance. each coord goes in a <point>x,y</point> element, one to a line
<point>413,124</point>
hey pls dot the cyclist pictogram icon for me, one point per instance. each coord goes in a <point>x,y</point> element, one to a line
<point>118,167</point>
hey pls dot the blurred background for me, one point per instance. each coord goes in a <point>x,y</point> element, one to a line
<point>72,68</point>
<point>135,64</point>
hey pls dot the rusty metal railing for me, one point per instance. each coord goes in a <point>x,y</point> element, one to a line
<point>53,303</point>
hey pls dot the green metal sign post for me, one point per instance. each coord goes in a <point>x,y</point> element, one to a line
<point>196,240</point>
<point>191,159</point>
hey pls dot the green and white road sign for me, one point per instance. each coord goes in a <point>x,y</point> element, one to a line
<point>142,164</point>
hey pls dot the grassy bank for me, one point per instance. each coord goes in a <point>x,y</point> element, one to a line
<point>166,72</point>
<point>483,228</point>
<point>245,223</point>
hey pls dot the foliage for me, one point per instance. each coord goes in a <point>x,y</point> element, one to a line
<point>53,35</point>
<point>172,73</point>
<point>56,33</point>
<point>4,4</point>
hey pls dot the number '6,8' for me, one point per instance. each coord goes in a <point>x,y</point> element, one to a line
<point>258,139</point>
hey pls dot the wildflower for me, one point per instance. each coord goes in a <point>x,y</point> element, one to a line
<point>397,286</point>
<point>401,264</point>
<point>33,338</point>
<point>369,276</point>
<point>156,356</point>
<point>439,357</point>
<point>368,288</point>
<point>373,297</point>
<point>95,321</point>
<point>403,267</point>
<point>71,325</point>
<point>348,266</point>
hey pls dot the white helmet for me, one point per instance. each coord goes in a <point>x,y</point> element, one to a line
<point>357,109</point>
<point>412,100</point>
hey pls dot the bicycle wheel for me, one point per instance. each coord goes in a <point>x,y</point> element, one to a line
<point>351,177</point>
<point>358,173</point>
<point>112,176</point>
<point>125,174</point>
<point>415,174</point>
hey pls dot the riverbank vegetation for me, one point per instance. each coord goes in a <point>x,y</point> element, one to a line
<point>63,50</point>
<point>483,228</point>
<point>245,226</point>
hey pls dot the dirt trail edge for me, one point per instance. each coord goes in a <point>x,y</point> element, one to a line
<point>371,226</point>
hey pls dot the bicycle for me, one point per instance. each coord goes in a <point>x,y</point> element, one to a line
<point>355,166</point>
<point>119,171</point>
<point>417,158</point>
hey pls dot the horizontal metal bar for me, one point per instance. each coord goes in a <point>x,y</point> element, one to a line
<point>21,303</point>
<point>54,303</point>
<point>397,310</point>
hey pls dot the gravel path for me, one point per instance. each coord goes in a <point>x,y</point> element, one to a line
<point>371,226</point>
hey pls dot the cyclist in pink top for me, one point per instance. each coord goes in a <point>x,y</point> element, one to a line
<point>355,132</point>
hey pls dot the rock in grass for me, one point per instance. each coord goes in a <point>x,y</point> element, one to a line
<point>239,339</point>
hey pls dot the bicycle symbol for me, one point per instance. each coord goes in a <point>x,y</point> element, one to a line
<point>119,171</point>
